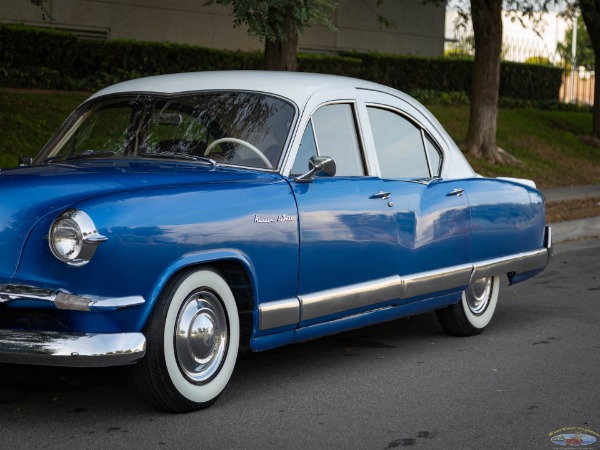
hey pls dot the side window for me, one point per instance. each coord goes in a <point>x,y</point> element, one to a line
<point>308,148</point>
<point>335,134</point>
<point>435,159</point>
<point>331,132</point>
<point>399,145</point>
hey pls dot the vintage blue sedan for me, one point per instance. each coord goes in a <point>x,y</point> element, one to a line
<point>175,220</point>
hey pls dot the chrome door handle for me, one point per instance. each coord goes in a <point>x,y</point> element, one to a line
<point>455,193</point>
<point>382,195</point>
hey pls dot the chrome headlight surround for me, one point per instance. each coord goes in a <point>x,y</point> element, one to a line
<point>73,238</point>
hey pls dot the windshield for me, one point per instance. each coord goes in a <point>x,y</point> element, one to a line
<point>238,128</point>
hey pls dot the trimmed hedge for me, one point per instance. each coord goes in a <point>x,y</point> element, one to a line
<point>525,81</point>
<point>533,82</point>
<point>49,59</point>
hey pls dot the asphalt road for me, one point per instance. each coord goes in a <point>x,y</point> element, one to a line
<point>535,370</point>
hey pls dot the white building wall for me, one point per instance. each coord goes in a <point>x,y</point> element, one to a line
<point>418,29</point>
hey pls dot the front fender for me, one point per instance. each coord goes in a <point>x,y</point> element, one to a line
<point>157,232</point>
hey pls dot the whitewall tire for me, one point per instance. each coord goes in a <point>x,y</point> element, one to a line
<point>474,312</point>
<point>192,343</point>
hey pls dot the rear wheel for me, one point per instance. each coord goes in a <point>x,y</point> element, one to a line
<point>474,312</point>
<point>192,343</point>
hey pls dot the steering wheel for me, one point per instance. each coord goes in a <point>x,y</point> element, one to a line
<point>258,153</point>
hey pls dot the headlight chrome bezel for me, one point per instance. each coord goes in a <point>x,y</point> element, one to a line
<point>84,237</point>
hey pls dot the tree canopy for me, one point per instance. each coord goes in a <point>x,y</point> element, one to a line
<point>584,49</point>
<point>266,19</point>
<point>278,23</point>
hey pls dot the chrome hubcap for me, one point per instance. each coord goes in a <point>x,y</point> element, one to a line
<point>201,335</point>
<point>478,295</point>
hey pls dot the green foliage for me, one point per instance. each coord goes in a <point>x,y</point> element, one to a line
<point>431,97</point>
<point>408,73</point>
<point>549,144</point>
<point>266,19</point>
<point>525,81</point>
<point>464,47</point>
<point>584,50</point>
<point>458,53</point>
<point>529,82</point>
<point>334,65</point>
<point>46,59</point>
<point>23,46</point>
<point>539,60</point>
<point>29,120</point>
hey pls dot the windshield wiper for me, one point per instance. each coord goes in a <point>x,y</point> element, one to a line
<point>51,158</point>
<point>177,155</point>
<point>84,155</point>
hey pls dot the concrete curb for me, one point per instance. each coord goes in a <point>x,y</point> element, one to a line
<point>576,229</point>
<point>573,229</point>
<point>562,194</point>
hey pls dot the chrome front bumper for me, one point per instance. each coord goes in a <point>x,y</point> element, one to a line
<point>51,348</point>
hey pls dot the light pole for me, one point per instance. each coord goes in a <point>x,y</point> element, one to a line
<point>574,56</point>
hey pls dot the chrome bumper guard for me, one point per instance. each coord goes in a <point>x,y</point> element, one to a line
<point>548,242</point>
<point>14,293</point>
<point>51,348</point>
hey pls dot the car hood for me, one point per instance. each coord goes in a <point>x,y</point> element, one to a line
<point>28,194</point>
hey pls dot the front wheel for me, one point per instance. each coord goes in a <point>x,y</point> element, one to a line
<point>192,343</point>
<point>474,312</point>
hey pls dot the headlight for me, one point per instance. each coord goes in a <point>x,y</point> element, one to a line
<point>73,238</point>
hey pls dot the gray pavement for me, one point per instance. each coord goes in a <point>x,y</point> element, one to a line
<point>574,229</point>
<point>531,375</point>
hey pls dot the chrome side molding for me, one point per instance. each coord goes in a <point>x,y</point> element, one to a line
<point>436,281</point>
<point>395,287</point>
<point>350,297</point>
<point>332,301</point>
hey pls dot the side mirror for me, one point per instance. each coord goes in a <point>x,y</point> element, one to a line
<point>319,166</point>
<point>25,161</point>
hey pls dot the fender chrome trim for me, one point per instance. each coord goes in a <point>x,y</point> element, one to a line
<point>278,314</point>
<point>11,294</point>
<point>51,348</point>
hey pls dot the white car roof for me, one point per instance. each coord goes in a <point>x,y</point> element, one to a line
<point>296,86</point>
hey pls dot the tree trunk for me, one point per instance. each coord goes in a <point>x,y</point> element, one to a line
<point>282,55</point>
<point>590,12</point>
<point>487,30</point>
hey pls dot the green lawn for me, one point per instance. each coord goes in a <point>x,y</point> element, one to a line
<point>28,119</point>
<point>551,145</point>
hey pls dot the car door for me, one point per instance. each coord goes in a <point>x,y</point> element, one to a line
<point>348,232</point>
<point>432,213</point>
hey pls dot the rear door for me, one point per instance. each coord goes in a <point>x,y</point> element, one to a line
<point>432,214</point>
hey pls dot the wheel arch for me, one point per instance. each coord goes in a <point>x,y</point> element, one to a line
<point>235,268</point>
